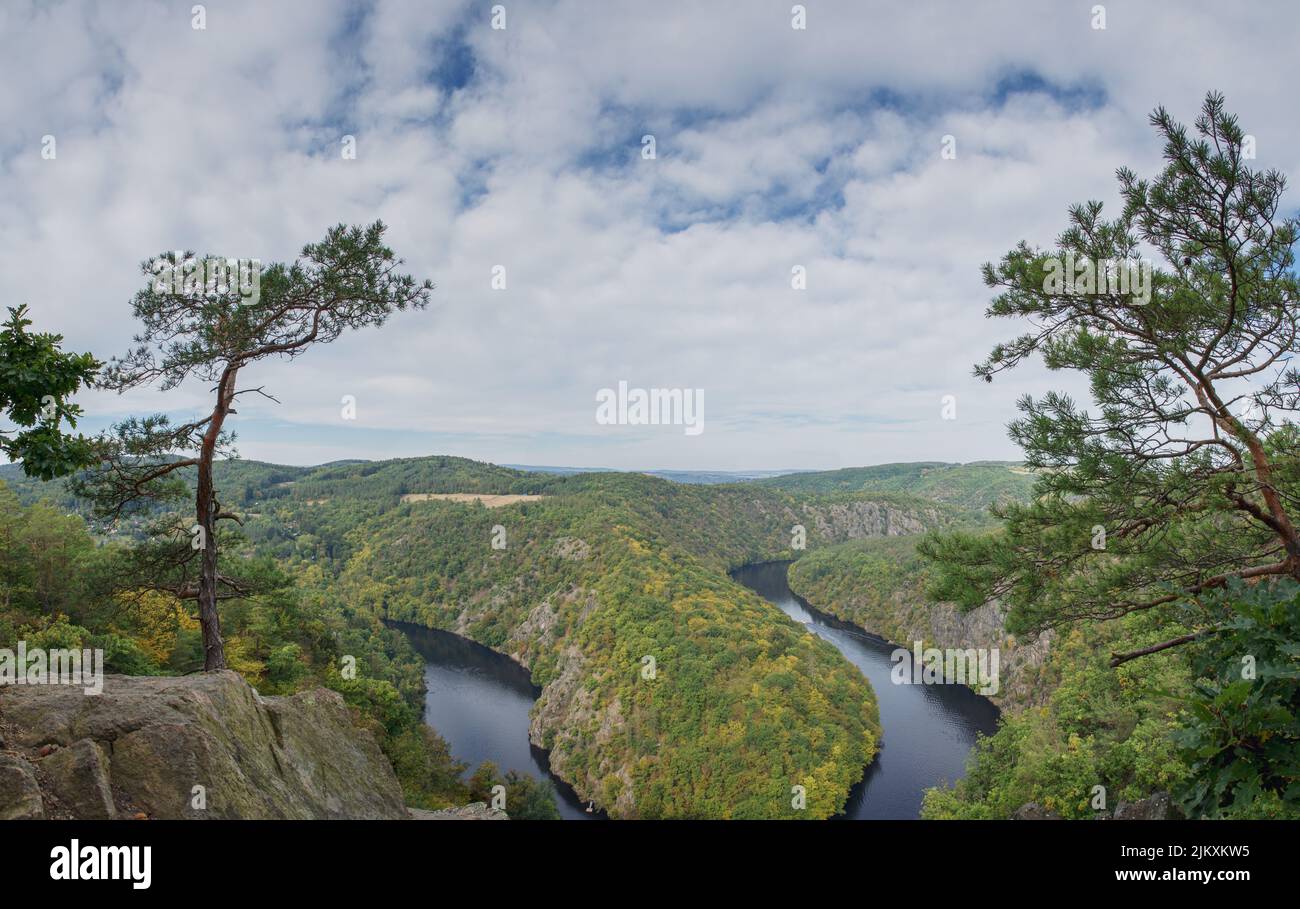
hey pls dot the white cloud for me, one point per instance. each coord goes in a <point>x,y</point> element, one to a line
<point>522,148</point>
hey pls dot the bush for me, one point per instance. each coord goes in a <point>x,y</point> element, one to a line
<point>1241,735</point>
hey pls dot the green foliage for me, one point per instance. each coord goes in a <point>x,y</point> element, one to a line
<point>970,489</point>
<point>527,798</point>
<point>424,765</point>
<point>56,591</point>
<point>1180,483</point>
<point>877,583</point>
<point>616,567</point>
<point>1189,475</point>
<point>1242,735</point>
<point>349,280</point>
<point>429,775</point>
<point>37,381</point>
<point>1099,727</point>
<point>198,322</point>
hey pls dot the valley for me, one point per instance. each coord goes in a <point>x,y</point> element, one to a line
<point>600,575</point>
<point>626,643</point>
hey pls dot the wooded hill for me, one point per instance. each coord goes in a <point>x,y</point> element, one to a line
<point>600,573</point>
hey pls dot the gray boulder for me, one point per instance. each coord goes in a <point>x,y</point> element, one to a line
<point>78,776</point>
<point>1156,807</point>
<point>198,746</point>
<point>20,794</point>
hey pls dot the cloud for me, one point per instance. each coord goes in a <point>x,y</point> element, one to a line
<point>521,148</point>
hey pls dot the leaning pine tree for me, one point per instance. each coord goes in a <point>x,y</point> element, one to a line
<point>210,329</point>
<point>1183,474</point>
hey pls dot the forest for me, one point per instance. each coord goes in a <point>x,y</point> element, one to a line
<point>602,572</point>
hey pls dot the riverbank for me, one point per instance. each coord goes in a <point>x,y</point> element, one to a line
<point>927,731</point>
<point>479,700</point>
<point>879,585</point>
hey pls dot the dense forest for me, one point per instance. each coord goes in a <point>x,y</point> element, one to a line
<point>969,489</point>
<point>598,574</point>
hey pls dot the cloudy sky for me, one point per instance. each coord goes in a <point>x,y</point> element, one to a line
<point>522,147</point>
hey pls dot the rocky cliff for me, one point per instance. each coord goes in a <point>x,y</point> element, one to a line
<point>199,746</point>
<point>879,585</point>
<point>856,519</point>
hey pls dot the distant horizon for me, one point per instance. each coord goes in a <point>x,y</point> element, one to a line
<point>758,472</point>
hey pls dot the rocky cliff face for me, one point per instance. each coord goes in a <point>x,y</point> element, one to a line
<point>883,592</point>
<point>199,746</point>
<point>854,520</point>
<point>943,625</point>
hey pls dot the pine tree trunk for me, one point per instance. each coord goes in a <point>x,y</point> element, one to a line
<point>214,648</point>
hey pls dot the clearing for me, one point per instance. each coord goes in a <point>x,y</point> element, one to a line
<point>491,500</point>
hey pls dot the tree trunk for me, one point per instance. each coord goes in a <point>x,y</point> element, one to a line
<point>214,649</point>
<point>205,501</point>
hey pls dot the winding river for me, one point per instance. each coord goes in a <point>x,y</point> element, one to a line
<point>478,700</point>
<point>927,730</point>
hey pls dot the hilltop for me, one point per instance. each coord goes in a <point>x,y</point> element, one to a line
<point>970,488</point>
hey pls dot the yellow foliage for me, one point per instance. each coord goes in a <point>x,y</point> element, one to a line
<point>160,617</point>
<point>239,658</point>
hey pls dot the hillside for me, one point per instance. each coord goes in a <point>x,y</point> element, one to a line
<point>970,488</point>
<point>880,585</point>
<point>606,571</point>
<point>602,571</point>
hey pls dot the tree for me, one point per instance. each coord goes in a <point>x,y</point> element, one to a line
<point>204,327</point>
<point>37,379</point>
<point>1184,476</point>
<point>1242,736</point>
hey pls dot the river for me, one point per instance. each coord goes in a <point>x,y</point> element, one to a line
<point>927,730</point>
<point>479,700</point>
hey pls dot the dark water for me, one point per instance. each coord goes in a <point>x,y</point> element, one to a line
<point>928,730</point>
<point>478,700</point>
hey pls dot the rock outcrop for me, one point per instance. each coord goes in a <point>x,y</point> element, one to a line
<point>837,522</point>
<point>943,625</point>
<point>198,746</point>
<point>1156,807</point>
<point>1032,811</point>
<point>475,811</point>
<point>896,607</point>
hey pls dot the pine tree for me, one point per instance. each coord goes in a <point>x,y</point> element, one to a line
<point>211,330</point>
<point>1182,476</point>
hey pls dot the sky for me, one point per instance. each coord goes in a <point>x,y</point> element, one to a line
<point>520,152</point>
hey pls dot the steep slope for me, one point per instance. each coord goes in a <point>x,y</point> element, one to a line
<point>667,689</point>
<point>879,585</point>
